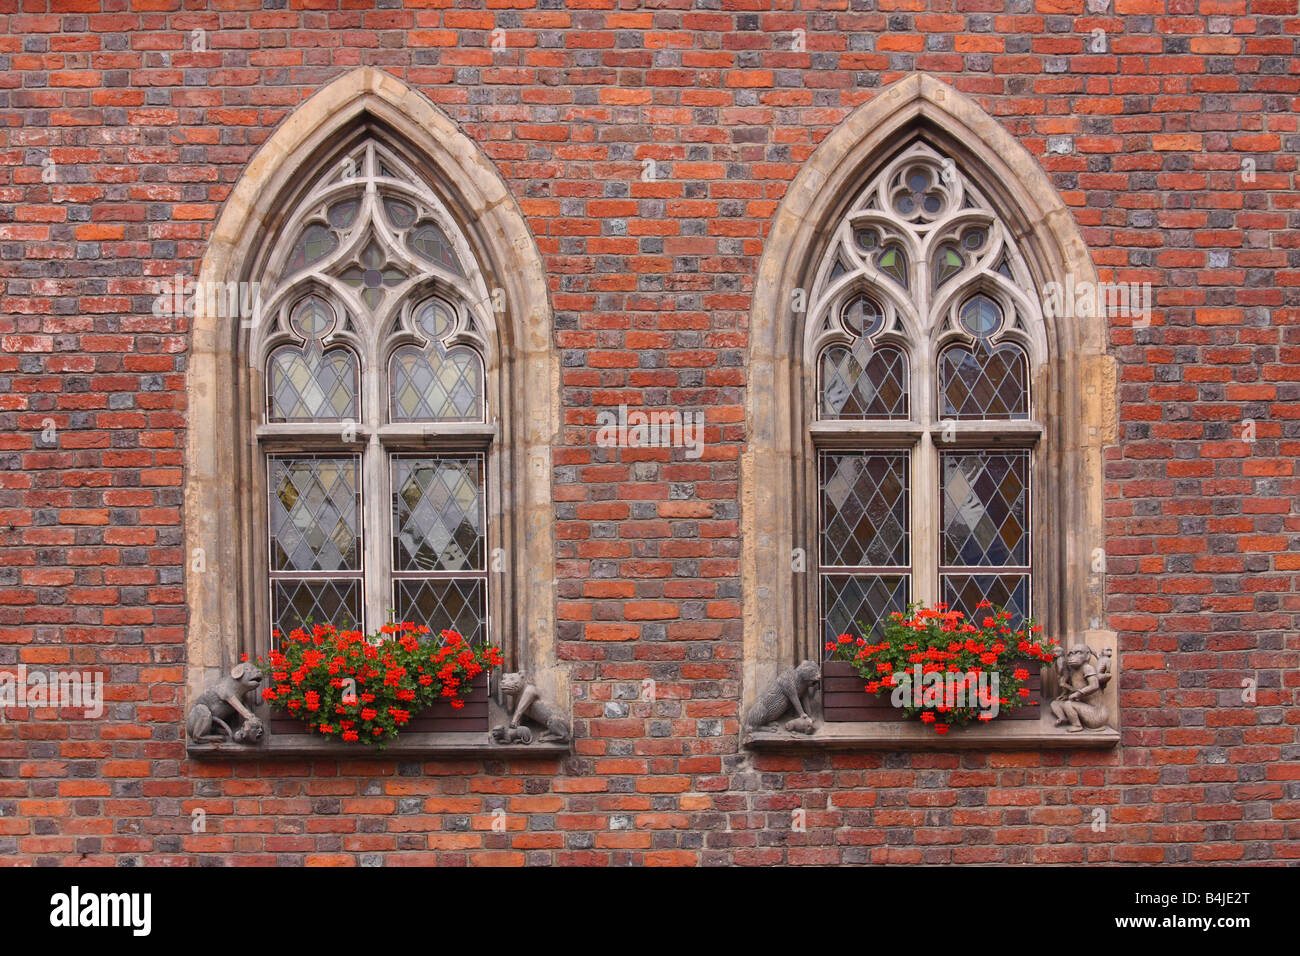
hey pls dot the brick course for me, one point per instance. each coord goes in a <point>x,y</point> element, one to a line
<point>119,141</point>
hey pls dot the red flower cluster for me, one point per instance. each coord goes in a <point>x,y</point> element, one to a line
<point>365,688</point>
<point>941,641</point>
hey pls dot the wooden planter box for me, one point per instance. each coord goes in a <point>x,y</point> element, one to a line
<point>441,718</point>
<point>844,700</point>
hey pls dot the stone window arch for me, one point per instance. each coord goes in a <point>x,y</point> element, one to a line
<point>904,369</point>
<point>401,318</point>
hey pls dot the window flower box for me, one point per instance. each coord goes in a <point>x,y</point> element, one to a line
<point>845,701</point>
<point>345,686</point>
<point>440,718</point>
<point>936,666</point>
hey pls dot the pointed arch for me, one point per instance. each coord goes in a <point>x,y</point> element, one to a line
<point>1074,380</point>
<point>221,540</point>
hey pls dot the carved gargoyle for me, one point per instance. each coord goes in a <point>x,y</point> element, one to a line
<point>1080,703</point>
<point>528,703</point>
<point>792,690</point>
<point>222,703</point>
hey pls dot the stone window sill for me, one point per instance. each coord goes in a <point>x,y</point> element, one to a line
<point>447,746</point>
<point>913,735</point>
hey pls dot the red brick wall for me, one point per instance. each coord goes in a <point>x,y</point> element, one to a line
<point>650,284</point>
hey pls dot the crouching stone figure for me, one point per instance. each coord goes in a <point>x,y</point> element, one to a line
<point>791,691</point>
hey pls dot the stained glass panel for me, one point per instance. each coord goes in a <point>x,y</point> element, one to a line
<point>862,316</point>
<point>400,214</point>
<point>985,509</point>
<point>983,383</point>
<point>965,592</point>
<point>316,242</point>
<point>864,510</point>
<point>430,387</point>
<point>308,385</point>
<point>859,604</point>
<point>981,316</point>
<point>893,263</point>
<point>429,241</point>
<point>299,603</point>
<point>948,262</point>
<point>458,604</point>
<point>438,514</point>
<point>314,513</point>
<point>854,389</point>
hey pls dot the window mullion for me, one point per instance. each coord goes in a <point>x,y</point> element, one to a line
<point>377,552</point>
<point>927,509</point>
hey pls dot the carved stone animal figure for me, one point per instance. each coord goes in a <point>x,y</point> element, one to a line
<point>505,734</point>
<point>528,703</point>
<point>224,701</point>
<point>1080,702</point>
<point>787,693</point>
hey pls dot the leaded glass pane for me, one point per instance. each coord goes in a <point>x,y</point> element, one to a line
<point>314,513</point>
<point>859,604</point>
<point>316,242</point>
<point>438,514</point>
<point>308,385</point>
<point>430,387</point>
<point>458,604</point>
<point>311,318</point>
<point>373,276</point>
<point>864,510</point>
<point>297,603</point>
<point>434,319</point>
<point>343,214</point>
<point>948,263</point>
<point>985,509</point>
<point>981,316</point>
<point>981,383</point>
<point>862,316</point>
<point>874,389</point>
<point>429,241</point>
<point>400,214</point>
<point>965,592</point>
<point>893,263</point>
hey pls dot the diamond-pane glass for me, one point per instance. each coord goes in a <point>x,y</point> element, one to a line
<point>296,603</point>
<point>985,509</point>
<point>314,514</point>
<point>983,384</point>
<point>858,603</point>
<point>864,510</point>
<point>308,385</point>
<point>437,514</point>
<point>964,592</point>
<point>458,604</point>
<point>872,389</point>
<point>427,386</point>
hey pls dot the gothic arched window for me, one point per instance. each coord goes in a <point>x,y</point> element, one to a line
<point>925,331</point>
<point>375,335</point>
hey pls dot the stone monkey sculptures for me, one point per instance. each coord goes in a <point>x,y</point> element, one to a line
<point>221,703</point>
<point>1079,703</point>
